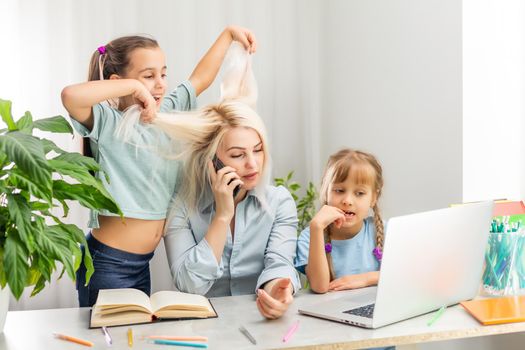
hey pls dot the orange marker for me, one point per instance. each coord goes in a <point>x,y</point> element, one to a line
<point>73,339</point>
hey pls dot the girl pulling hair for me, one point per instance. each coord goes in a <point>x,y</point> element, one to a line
<point>342,248</point>
<point>126,71</point>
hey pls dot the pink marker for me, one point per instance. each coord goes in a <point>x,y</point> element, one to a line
<point>291,331</point>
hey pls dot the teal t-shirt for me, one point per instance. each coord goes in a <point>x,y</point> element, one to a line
<point>349,256</point>
<point>140,180</point>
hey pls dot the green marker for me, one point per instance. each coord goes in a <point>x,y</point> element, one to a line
<point>437,315</point>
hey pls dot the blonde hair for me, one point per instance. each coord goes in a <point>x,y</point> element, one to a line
<point>195,136</point>
<point>200,134</point>
<point>364,169</point>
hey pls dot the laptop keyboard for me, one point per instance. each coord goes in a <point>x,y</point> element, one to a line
<point>363,311</point>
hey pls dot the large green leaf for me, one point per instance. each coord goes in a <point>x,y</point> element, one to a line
<point>77,237</point>
<point>21,181</point>
<point>20,214</point>
<point>3,278</point>
<point>51,146</point>
<point>56,124</point>
<point>5,112</point>
<point>80,160</point>
<point>27,153</point>
<point>54,243</point>
<point>15,264</point>
<point>79,173</point>
<point>39,285</point>
<point>88,196</point>
<point>25,124</point>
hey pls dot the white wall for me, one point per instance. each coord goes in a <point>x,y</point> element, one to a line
<point>391,85</point>
<point>494,89</point>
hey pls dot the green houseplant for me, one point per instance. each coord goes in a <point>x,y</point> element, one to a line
<point>37,179</point>
<point>305,204</point>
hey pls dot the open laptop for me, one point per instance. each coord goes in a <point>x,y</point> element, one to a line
<point>430,259</point>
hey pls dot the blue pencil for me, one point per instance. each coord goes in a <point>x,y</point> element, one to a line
<point>180,343</point>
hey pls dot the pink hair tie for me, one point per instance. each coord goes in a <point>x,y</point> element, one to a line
<point>101,50</point>
<point>378,253</point>
<point>328,248</point>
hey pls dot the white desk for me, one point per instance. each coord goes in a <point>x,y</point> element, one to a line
<point>30,330</point>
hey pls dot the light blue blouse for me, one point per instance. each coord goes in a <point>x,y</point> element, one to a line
<point>263,247</point>
<point>349,256</point>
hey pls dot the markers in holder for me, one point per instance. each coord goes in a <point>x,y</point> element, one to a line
<point>505,258</point>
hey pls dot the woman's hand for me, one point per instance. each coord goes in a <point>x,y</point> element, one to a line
<point>327,215</point>
<point>223,182</point>
<point>275,298</point>
<point>359,280</point>
<point>243,36</point>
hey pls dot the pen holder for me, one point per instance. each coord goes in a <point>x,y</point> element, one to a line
<point>504,272</point>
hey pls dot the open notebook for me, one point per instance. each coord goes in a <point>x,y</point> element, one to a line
<point>123,306</point>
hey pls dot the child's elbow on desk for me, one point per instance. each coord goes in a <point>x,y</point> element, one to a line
<point>319,289</point>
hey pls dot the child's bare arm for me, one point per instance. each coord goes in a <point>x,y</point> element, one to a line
<point>79,99</point>
<point>359,280</point>
<point>206,70</point>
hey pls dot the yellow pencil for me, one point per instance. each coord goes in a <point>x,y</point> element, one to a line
<point>130,337</point>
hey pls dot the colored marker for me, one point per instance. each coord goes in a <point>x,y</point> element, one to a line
<point>180,343</point>
<point>291,331</point>
<point>73,339</point>
<point>437,315</point>
<point>109,341</point>
<point>130,337</point>
<point>248,335</point>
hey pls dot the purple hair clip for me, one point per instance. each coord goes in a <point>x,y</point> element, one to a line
<point>102,50</point>
<point>378,253</point>
<point>328,248</point>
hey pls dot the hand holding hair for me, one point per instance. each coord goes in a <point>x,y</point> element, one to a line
<point>147,102</point>
<point>244,36</point>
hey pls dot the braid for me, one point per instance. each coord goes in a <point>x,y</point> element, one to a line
<point>378,223</point>
<point>327,239</point>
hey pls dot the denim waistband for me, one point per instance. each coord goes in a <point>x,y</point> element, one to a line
<point>94,244</point>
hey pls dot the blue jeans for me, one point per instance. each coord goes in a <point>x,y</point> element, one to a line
<point>114,268</point>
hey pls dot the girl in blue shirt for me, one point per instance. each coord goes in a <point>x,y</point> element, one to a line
<point>126,71</point>
<point>342,248</point>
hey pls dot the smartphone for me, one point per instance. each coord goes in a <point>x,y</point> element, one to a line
<point>218,164</point>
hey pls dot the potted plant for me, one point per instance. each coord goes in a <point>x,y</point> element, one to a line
<point>305,204</point>
<point>37,179</point>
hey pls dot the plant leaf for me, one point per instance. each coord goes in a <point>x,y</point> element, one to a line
<point>78,172</point>
<point>27,153</point>
<point>56,124</point>
<point>20,214</point>
<point>51,146</point>
<point>40,284</point>
<point>15,264</point>
<point>80,160</point>
<point>88,196</point>
<point>25,123</point>
<point>5,112</point>
<point>21,181</point>
<point>54,243</point>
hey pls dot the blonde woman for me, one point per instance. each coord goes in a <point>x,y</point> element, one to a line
<point>219,243</point>
<point>228,232</point>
